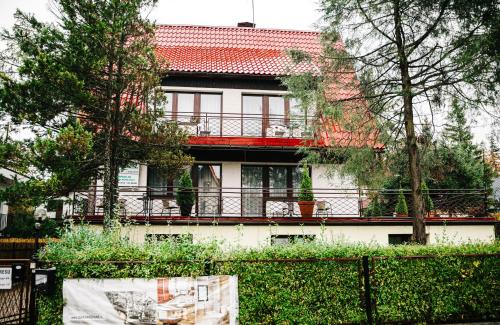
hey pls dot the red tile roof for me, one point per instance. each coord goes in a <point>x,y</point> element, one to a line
<point>234,50</point>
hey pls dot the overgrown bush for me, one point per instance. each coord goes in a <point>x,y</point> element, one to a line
<point>448,284</point>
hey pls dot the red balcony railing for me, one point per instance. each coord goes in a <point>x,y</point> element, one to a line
<point>244,125</point>
<point>142,203</point>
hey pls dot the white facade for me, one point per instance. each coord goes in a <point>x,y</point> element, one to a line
<point>258,235</point>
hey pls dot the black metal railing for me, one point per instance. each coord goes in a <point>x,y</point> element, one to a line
<point>243,125</point>
<point>276,203</point>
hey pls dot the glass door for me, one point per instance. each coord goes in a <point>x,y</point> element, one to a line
<point>251,192</point>
<point>208,181</point>
<point>252,116</point>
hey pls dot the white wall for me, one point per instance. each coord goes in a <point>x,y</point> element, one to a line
<point>256,235</point>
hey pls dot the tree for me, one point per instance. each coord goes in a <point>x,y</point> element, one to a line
<point>92,79</point>
<point>405,57</point>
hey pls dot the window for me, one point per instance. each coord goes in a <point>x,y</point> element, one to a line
<point>185,238</point>
<point>268,187</point>
<point>160,184</point>
<point>399,239</point>
<point>262,115</point>
<point>291,239</point>
<point>201,109</point>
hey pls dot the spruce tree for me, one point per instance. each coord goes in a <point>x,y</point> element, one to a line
<point>95,66</point>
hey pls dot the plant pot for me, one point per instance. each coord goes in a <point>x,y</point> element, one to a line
<point>306,208</point>
<point>186,210</point>
<point>401,215</point>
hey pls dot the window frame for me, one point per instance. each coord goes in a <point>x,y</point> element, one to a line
<point>196,104</point>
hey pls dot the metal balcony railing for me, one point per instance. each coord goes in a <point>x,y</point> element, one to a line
<point>243,125</point>
<point>144,202</point>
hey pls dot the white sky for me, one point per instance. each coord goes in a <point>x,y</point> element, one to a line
<point>285,14</point>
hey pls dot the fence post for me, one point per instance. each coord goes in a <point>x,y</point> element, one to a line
<point>368,299</point>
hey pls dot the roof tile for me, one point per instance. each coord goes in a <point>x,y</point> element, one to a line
<point>235,50</point>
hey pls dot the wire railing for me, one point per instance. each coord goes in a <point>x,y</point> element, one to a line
<point>243,125</point>
<point>276,203</point>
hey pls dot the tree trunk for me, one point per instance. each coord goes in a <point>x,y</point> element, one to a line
<point>417,208</point>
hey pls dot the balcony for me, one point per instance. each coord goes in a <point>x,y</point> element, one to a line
<point>244,129</point>
<point>254,205</point>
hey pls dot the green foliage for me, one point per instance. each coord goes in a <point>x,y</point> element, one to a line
<point>185,194</point>
<point>401,206</point>
<point>23,226</point>
<point>449,284</point>
<point>306,193</point>
<point>374,209</point>
<point>428,203</point>
<point>92,77</point>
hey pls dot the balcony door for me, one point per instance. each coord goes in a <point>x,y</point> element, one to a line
<point>263,115</point>
<point>268,189</point>
<point>199,113</point>
<point>207,179</point>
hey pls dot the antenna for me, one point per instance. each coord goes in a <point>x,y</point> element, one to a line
<point>253,14</point>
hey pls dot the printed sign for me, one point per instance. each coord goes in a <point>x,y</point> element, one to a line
<point>5,278</point>
<point>201,300</point>
<point>129,176</point>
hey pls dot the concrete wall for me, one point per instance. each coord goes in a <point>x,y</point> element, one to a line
<point>257,235</point>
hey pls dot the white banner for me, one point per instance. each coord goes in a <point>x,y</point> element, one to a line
<point>204,300</point>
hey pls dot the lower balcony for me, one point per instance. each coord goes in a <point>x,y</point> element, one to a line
<point>280,205</point>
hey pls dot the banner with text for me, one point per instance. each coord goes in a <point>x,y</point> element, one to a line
<point>201,300</point>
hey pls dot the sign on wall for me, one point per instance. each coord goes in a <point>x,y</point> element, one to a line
<point>201,300</point>
<point>129,176</point>
<point>5,278</point>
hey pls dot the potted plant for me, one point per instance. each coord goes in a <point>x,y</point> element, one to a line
<point>401,208</point>
<point>306,196</point>
<point>185,194</point>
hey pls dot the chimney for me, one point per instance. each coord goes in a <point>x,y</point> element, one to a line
<point>246,24</point>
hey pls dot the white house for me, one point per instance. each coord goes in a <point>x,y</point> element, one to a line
<point>222,87</point>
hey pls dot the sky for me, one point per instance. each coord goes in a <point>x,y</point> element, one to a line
<point>283,14</point>
<point>286,14</point>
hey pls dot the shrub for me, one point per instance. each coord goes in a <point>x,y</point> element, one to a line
<point>306,193</point>
<point>401,206</point>
<point>374,209</point>
<point>185,194</point>
<point>23,226</point>
<point>450,283</point>
<point>428,203</point>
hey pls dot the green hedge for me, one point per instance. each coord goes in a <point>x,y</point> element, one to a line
<point>450,282</point>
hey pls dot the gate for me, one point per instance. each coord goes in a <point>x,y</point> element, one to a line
<point>15,303</point>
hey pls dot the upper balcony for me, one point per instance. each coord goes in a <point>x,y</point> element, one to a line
<point>232,129</point>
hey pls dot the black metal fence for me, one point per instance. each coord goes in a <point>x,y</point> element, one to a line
<point>142,202</point>
<point>244,125</point>
<point>16,303</point>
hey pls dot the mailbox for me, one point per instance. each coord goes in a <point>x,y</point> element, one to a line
<point>18,272</point>
<point>45,281</point>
